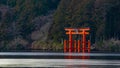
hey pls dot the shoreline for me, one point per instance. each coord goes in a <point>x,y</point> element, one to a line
<point>59,51</point>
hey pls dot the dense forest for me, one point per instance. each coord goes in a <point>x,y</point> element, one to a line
<point>39,24</point>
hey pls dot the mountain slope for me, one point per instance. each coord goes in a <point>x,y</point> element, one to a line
<point>19,19</point>
<point>102,16</point>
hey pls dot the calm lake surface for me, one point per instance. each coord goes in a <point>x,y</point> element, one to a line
<point>65,60</point>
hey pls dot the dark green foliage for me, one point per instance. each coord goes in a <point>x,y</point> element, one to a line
<point>102,16</point>
<point>4,26</point>
<point>113,20</point>
<point>3,2</point>
<point>0,16</point>
<point>26,11</point>
<point>76,14</point>
<point>18,17</point>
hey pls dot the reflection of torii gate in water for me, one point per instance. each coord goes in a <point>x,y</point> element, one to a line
<point>68,45</point>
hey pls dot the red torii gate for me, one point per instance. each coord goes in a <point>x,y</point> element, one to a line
<point>77,47</point>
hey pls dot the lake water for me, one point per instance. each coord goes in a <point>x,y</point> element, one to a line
<point>65,60</point>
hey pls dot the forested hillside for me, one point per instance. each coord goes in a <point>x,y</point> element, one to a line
<point>21,19</point>
<point>102,16</point>
<point>39,24</point>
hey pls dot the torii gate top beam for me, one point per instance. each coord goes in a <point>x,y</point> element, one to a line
<point>72,29</point>
<point>77,31</point>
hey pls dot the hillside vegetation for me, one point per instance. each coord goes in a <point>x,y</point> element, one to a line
<point>21,19</point>
<point>39,24</point>
<point>102,16</point>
